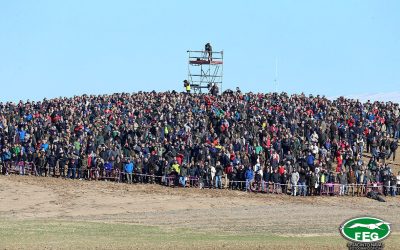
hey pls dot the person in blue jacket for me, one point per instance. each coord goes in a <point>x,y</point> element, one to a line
<point>128,168</point>
<point>44,146</point>
<point>108,168</point>
<point>310,160</point>
<point>22,134</point>
<point>6,159</point>
<point>249,175</point>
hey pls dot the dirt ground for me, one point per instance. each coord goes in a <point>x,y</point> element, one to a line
<point>40,212</point>
<point>26,199</point>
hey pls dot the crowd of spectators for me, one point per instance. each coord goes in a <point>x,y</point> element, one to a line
<point>296,143</point>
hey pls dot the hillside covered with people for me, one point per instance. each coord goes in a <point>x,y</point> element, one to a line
<point>294,143</point>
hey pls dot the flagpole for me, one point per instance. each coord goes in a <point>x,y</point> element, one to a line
<point>276,74</point>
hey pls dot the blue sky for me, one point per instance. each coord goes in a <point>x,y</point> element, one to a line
<point>65,48</point>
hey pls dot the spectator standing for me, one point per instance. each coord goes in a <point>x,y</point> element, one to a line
<point>393,148</point>
<point>313,184</point>
<point>183,175</point>
<point>284,181</point>
<point>393,184</point>
<point>218,175</point>
<point>302,182</point>
<point>351,179</point>
<point>128,169</point>
<point>294,179</point>
<point>342,177</point>
<point>212,175</point>
<point>249,175</point>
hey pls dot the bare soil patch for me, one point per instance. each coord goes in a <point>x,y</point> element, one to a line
<point>24,197</point>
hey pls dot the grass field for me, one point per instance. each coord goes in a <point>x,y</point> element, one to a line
<point>40,234</point>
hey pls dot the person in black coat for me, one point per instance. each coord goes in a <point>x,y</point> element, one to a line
<point>393,185</point>
<point>267,178</point>
<point>240,177</point>
<point>393,148</point>
<point>284,181</point>
<point>52,161</point>
<point>233,178</point>
<point>193,173</point>
<point>276,179</point>
<point>202,171</point>
<point>208,51</point>
<point>302,182</point>
<point>218,175</point>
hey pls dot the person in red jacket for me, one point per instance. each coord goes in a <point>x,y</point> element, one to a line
<point>339,163</point>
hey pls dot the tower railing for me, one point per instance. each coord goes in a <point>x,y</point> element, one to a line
<point>203,71</point>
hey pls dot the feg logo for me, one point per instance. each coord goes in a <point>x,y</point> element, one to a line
<point>365,229</point>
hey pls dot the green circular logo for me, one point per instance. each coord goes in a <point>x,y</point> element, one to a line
<point>365,229</point>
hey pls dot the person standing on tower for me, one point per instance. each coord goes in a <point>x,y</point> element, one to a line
<point>208,50</point>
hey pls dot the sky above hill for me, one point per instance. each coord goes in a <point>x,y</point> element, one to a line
<point>65,48</point>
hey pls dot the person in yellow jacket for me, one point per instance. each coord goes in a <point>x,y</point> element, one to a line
<point>175,171</point>
<point>176,168</point>
<point>166,131</point>
<point>186,84</point>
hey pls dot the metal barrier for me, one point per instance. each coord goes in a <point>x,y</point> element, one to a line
<point>329,189</point>
<point>22,168</point>
<point>352,189</point>
<point>260,186</point>
<point>377,187</point>
<point>29,168</point>
<point>168,180</point>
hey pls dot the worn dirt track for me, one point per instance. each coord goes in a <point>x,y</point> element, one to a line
<point>24,197</point>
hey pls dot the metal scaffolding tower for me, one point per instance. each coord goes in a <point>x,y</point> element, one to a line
<point>203,71</point>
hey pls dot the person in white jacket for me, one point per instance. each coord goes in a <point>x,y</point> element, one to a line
<point>213,171</point>
<point>294,179</point>
<point>314,137</point>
